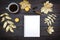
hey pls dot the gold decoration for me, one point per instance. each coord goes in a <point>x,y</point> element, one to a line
<point>6,16</point>
<point>50,30</point>
<point>8,24</point>
<point>50,19</point>
<point>16,19</point>
<point>27,9</point>
<point>25,5</point>
<point>47,7</point>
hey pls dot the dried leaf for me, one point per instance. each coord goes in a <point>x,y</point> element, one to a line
<point>46,21</point>
<point>10,22</point>
<point>11,30</point>
<point>7,17</point>
<point>5,24</point>
<point>53,15</point>
<point>50,30</point>
<point>25,4</point>
<point>6,14</point>
<point>3,19</point>
<point>1,15</point>
<point>49,20</point>
<point>47,7</point>
<point>13,26</point>
<point>7,28</point>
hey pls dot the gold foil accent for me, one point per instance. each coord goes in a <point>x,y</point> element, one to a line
<point>50,30</point>
<point>8,24</point>
<point>47,7</point>
<point>17,19</point>
<point>25,5</point>
<point>50,19</point>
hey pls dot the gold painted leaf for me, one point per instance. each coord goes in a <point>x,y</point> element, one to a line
<point>50,30</point>
<point>7,28</point>
<point>10,22</point>
<point>49,20</point>
<point>47,7</point>
<point>5,24</point>
<point>6,14</point>
<point>25,4</point>
<point>11,30</point>
<point>13,26</point>
<point>7,17</point>
<point>3,19</point>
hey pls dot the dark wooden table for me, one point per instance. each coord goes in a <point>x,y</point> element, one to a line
<point>19,31</point>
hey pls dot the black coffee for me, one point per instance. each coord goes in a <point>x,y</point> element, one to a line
<point>13,7</point>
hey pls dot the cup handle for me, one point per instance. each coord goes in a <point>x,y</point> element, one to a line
<point>7,8</point>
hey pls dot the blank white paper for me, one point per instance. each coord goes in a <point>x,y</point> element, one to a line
<point>31,25</point>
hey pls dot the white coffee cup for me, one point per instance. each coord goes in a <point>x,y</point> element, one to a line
<point>13,3</point>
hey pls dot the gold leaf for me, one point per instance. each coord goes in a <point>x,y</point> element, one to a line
<point>25,4</point>
<point>3,19</point>
<point>50,30</point>
<point>49,20</point>
<point>52,16</point>
<point>7,17</point>
<point>2,15</point>
<point>5,24</point>
<point>10,22</point>
<point>13,26</point>
<point>6,14</point>
<point>7,28</point>
<point>47,7</point>
<point>46,21</point>
<point>11,30</point>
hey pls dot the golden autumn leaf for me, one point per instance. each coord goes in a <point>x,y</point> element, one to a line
<point>50,19</point>
<point>7,28</point>
<point>10,26</point>
<point>6,14</point>
<point>50,30</point>
<point>5,24</point>
<point>7,17</point>
<point>3,19</point>
<point>47,7</point>
<point>25,5</point>
<point>11,30</point>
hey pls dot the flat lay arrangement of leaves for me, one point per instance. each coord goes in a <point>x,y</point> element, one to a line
<point>50,18</point>
<point>8,24</point>
<point>49,21</point>
<point>25,5</point>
